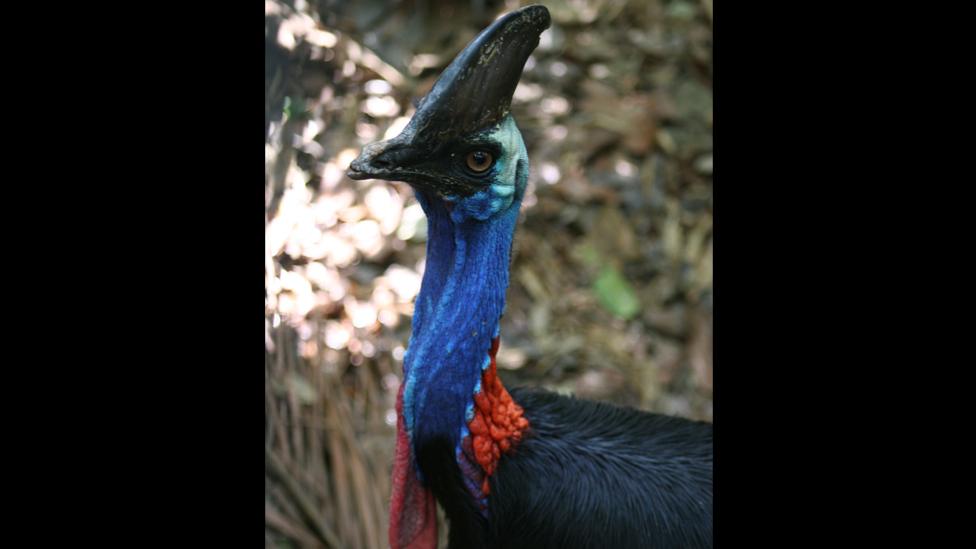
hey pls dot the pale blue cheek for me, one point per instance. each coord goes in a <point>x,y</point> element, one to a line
<point>503,191</point>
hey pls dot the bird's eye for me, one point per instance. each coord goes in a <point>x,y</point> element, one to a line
<point>479,161</point>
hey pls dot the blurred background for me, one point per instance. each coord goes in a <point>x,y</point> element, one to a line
<point>611,283</point>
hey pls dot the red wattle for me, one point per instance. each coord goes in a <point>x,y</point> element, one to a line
<point>498,422</point>
<point>413,510</point>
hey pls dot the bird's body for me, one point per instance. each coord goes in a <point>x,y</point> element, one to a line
<point>590,475</point>
<point>526,468</point>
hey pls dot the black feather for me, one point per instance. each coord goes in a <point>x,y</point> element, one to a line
<point>468,528</point>
<point>587,475</point>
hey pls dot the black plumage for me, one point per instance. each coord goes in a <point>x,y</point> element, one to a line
<point>587,475</point>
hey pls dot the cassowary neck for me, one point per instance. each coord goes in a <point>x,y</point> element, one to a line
<point>455,319</point>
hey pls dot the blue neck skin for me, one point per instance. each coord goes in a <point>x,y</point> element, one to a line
<point>456,314</point>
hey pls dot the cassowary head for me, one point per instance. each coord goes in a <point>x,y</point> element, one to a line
<point>462,144</point>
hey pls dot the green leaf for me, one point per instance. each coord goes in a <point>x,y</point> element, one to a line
<point>616,294</point>
<point>295,109</point>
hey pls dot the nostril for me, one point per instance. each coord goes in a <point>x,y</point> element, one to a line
<point>382,156</point>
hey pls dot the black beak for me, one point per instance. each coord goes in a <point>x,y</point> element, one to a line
<point>382,159</point>
<point>474,92</point>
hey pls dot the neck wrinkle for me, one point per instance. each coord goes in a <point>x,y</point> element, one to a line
<point>460,303</point>
<point>439,260</point>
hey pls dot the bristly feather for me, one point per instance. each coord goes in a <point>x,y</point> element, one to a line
<point>588,475</point>
<point>468,528</point>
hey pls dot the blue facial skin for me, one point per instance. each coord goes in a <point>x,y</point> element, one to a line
<point>462,296</point>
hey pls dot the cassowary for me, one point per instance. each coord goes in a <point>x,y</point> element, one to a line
<point>525,468</point>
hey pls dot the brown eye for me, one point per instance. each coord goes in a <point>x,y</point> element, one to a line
<point>479,161</point>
